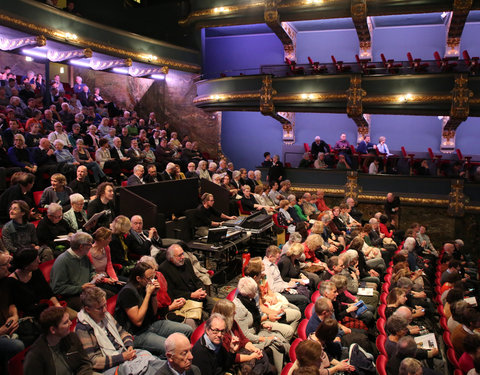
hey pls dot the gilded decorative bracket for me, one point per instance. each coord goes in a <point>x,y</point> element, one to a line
<point>283,30</point>
<point>267,92</point>
<point>351,187</point>
<point>456,199</point>
<point>355,95</point>
<point>447,143</point>
<point>363,25</point>
<point>461,8</point>
<point>460,107</point>
<point>287,119</point>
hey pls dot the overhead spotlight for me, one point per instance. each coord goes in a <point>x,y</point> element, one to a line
<point>62,70</point>
<point>28,58</point>
<point>34,53</point>
<point>313,2</point>
<point>444,15</point>
<point>158,76</point>
<point>221,10</point>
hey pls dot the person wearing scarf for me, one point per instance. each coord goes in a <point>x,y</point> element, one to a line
<point>108,346</point>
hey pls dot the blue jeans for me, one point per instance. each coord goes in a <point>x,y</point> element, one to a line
<point>153,339</point>
<point>8,349</point>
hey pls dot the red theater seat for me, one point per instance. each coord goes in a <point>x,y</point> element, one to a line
<point>46,268</point>
<point>302,327</point>
<point>382,365</point>
<point>380,342</point>
<point>199,331</point>
<point>291,353</point>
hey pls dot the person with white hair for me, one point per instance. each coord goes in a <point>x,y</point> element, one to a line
<point>169,173</point>
<point>76,216</point>
<point>212,168</point>
<point>137,177</point>
<point>261,333</point>
<point>179,356</point>
<point>53,226</point>
<point>202,170</point>
<point>59,133</point>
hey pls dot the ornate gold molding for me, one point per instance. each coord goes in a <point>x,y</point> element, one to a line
<point>416,98</point>
<point>456,199</point>
<point>266,96</point>
<point>53,34</point>
<point>461,95</point>
<point>355,95</point>
<point>225,97</point>
<point>351,187</point>
<point>314,97</point>
<point>216,12</point>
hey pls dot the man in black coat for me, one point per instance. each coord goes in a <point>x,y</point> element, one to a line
<point>181,279</point>
<point>208,352</point>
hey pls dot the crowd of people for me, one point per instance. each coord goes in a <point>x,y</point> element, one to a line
<point>324,285</point>
<point>376,158</point>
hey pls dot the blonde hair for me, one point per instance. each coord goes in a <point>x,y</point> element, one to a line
<point>314,241</point>
<point>295,250</point>
<point>227,309</point>
<point>317,227</point>
<point>120,225</point>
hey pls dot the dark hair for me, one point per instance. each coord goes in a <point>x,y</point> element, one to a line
<point>454,263</point>
<point>471,343</point>
<point>265,154</point>
<point>398,258</point>
<point>51,317</point>
<point>23,257</point>
<point>308,353</point>
<point>23,207</point>
<point>26,179</point>
<point>327,330</point>
<point>139,270</point>
<point>383,219</point>
<point>102,187</point>
<point>392,297</point>
<point>102,142</point>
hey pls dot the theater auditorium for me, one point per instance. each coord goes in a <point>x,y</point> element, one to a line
<point>239,187</point>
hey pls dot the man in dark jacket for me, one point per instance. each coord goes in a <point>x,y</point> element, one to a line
<point>57,350</point>
<point>209,355</point>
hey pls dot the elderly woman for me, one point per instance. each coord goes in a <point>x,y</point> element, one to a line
<point>249,357</point>
<point>67,163</point>
<point>137,307</point>
<point>290,269</point>
<point>58,192</point>
<point>319,163</point>
<point>254,325</point>
<point>33,293</point>
<point>105,160</point>
<point>76,216</point>
<point>52,227</point>
<point>369,268</point>
<point>108,345</point>
<point>82,156</point>
<point>258,177</point>
<point>202,170</point>
<point>313,246</point>
<point>103,203</point>
<point>20,156</point>
<point>19,233</point>
<point>167,307</point>
<point>104,127</point>
<point>119,245</point>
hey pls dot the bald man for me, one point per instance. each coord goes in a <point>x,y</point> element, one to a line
<point>179,356</point>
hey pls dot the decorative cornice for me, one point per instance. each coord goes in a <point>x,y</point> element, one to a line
<point>85,43</point>
<point>217,12</point>
<point>225,97</point>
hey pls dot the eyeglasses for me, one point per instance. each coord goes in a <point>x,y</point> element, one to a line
<point>99,308</point>
<point>217,331</point>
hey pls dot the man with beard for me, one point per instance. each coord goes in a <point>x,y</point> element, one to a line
<point>181,279</point>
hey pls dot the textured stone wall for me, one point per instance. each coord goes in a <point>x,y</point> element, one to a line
<point>19,65</point>
<point>171,100</point>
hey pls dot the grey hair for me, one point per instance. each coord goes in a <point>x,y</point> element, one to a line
<point>346,259</point>
<point>326,285</point>
<point>352,254</point>
<point>150,261</point>
<point>76,197</point>
<point>395,324</point>
<point>404,283</point>
<point>406,347</point>
<point>92,295</point>
<point>170,250</point>
<point>247,286</point>
<point>212,165</point>
<point>373,221</point>
<point>170,166</point>
<point>208,323</point>
<point>409,244</point>
<point>171,341</point>
<point>79,239</point>
<point>235,174</point>
<point>138,167</point>
<point>59,141</point>
<point>53,207</point>
<point>292,198</point>
<point>409,366</point>
<point>295,237</point>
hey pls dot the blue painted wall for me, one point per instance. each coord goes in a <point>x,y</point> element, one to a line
<point>246,135</point>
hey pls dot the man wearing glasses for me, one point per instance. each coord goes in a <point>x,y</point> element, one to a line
<point>72,271</point>
<point>209,355</point>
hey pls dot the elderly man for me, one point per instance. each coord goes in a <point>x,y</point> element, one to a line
<point>59,133</point>
<point>51,227</point>
<point>57,350</point>
<point>318,146</point>
<point>392,207</point>
<point>309,208</point>
<point>169,173</point>
<point>179,356</point>
<point>134,152</point>
<point>137,177</point>
<point>276,282</point>
<point>107,344</point>
<point>181,278</point>
<point>9,317</point>
<point>144,242</point>
<point>208,352</point>
<point>44,157</point>
<point>72,271</point>
<point>323,309</point>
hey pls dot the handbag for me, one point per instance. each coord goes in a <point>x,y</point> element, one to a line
<point>191,310</point>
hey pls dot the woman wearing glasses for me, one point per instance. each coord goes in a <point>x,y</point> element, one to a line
<point>136,311</point>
